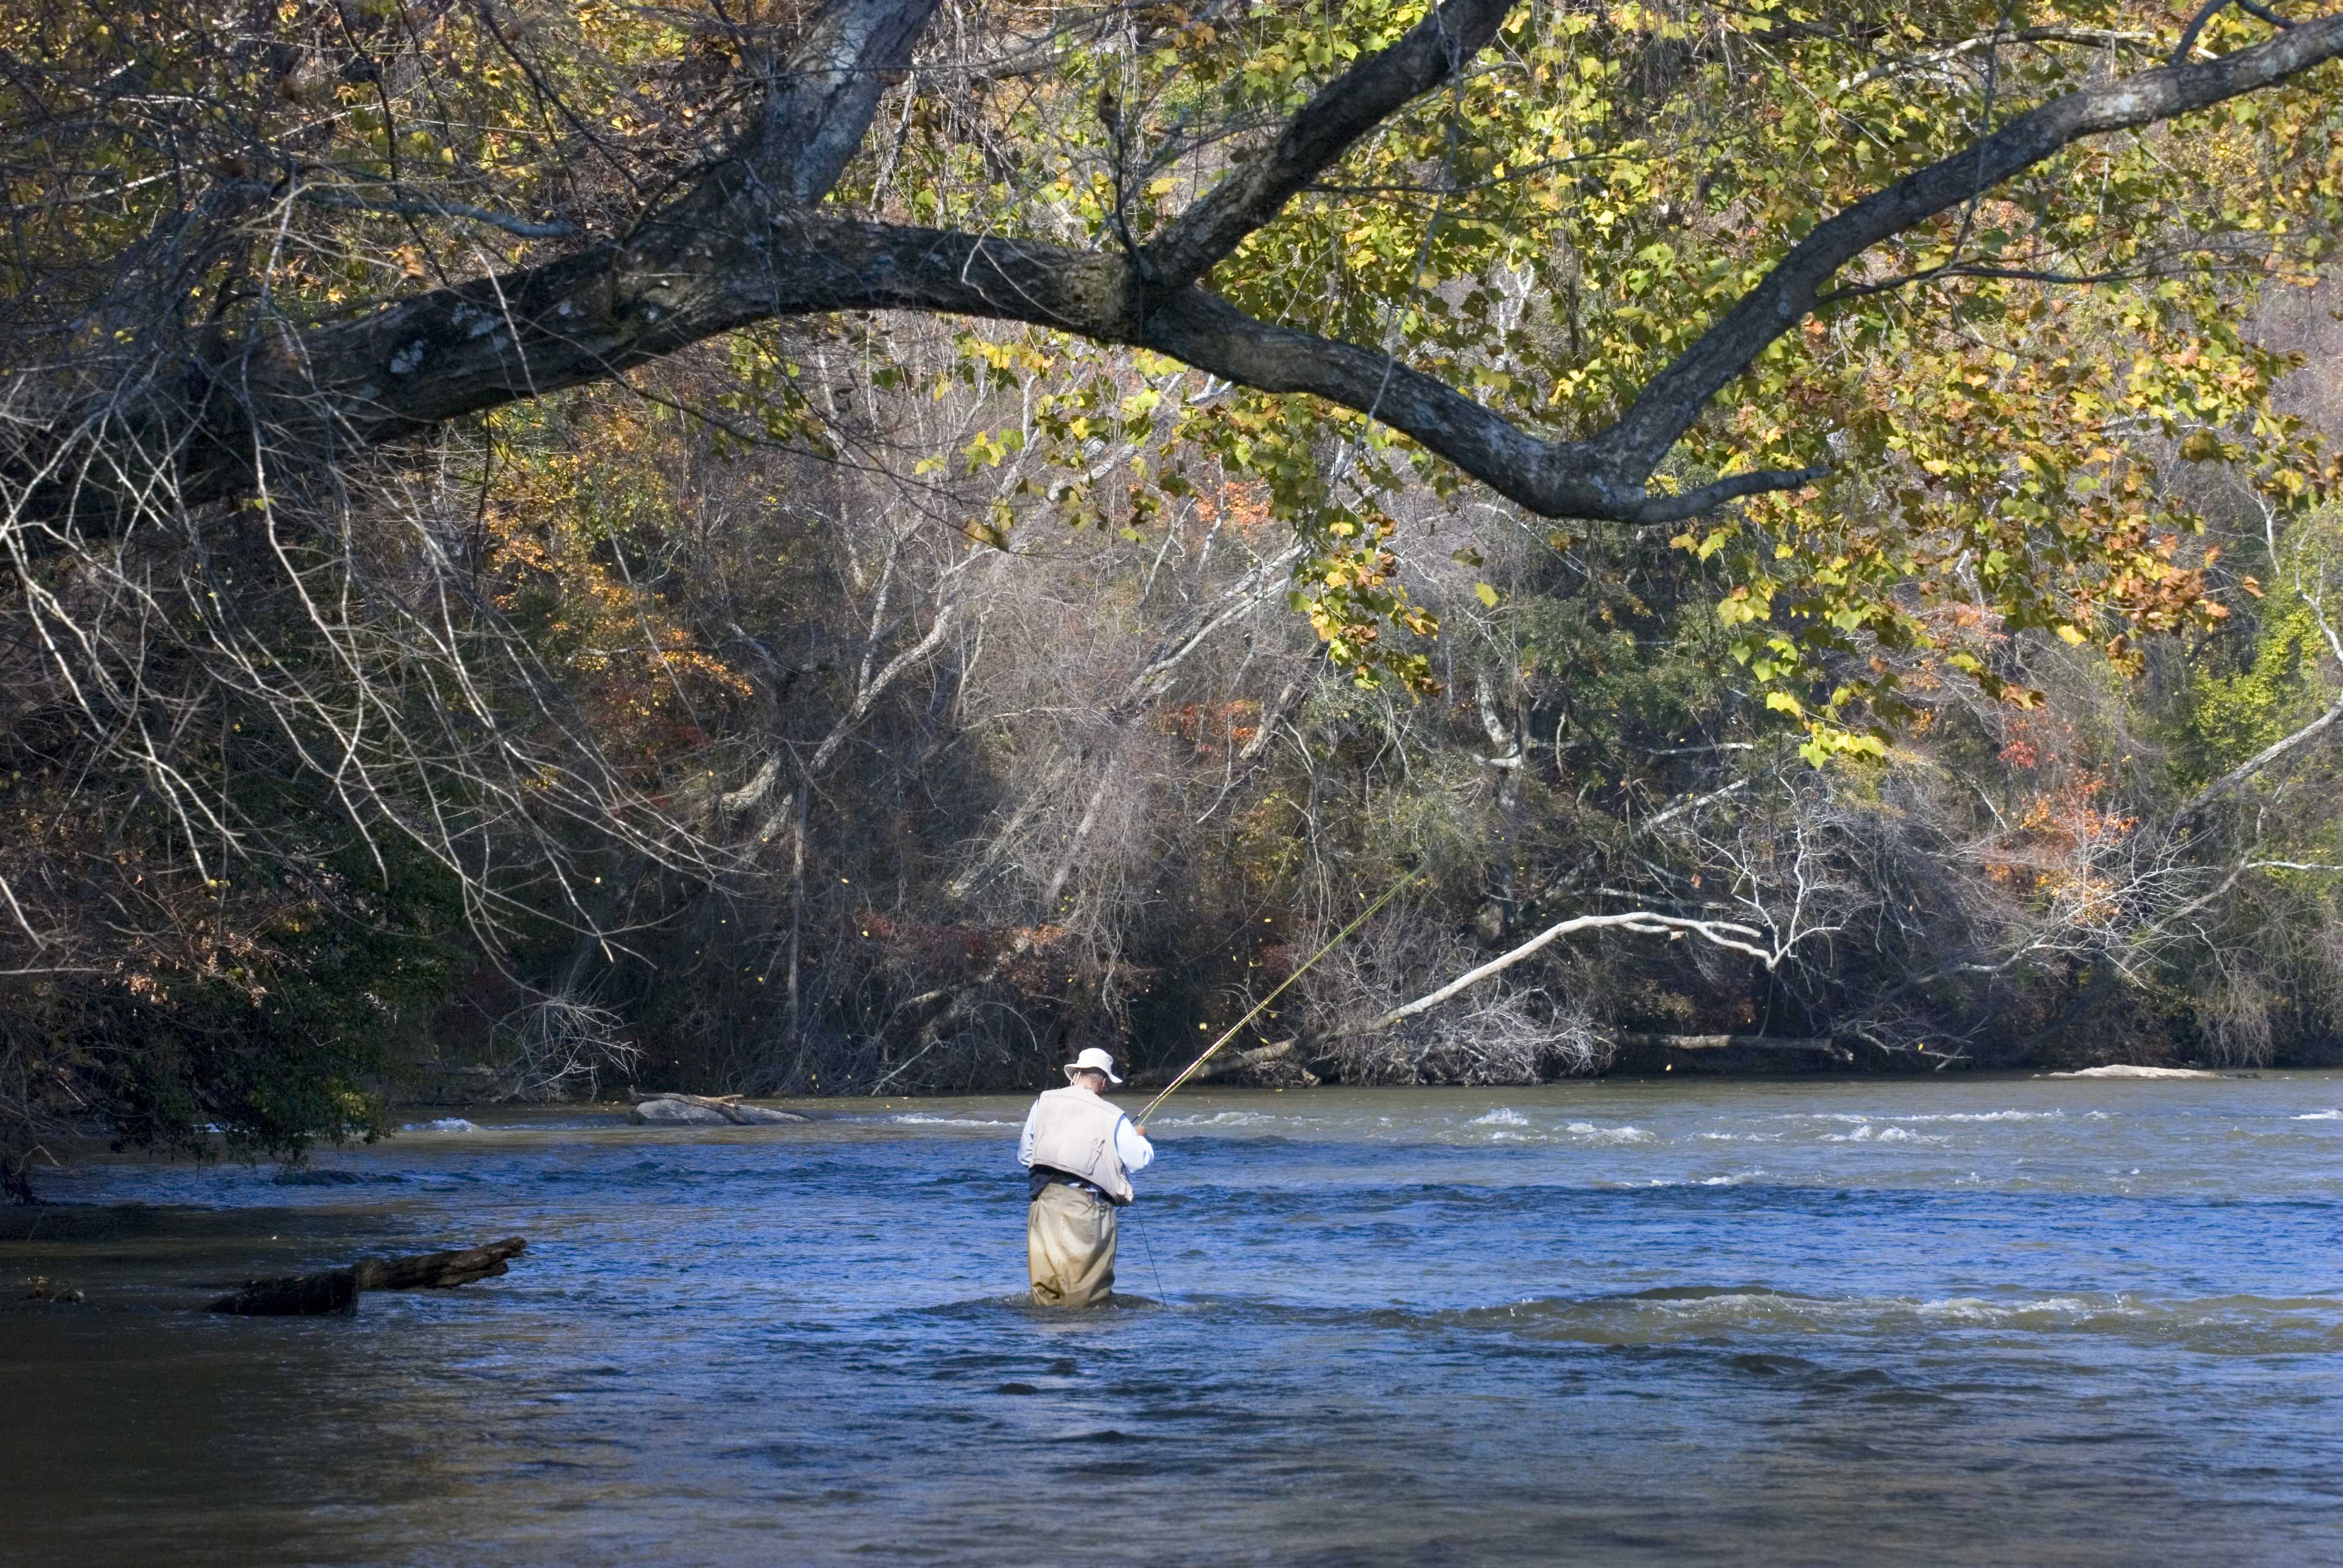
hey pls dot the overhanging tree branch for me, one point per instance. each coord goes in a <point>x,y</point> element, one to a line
<point>1675,398</point>
<point>1326,127</point>
<point>745,245</point>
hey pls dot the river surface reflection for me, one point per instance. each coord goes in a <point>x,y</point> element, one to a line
<point>1991,1320</point>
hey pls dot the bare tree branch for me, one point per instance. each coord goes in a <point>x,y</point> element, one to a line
<point>1726,934</point>
<point>2273,752</point>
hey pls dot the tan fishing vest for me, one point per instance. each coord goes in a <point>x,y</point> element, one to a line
<point>1074,1131</point>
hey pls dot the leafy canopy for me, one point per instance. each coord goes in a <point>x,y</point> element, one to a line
<point>1997,395</point>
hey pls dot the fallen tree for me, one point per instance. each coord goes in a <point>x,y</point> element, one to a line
<point>1728,1052</point>
<point>705,1111</point>
<point>1282,1056</point>
<point>336,1290</point>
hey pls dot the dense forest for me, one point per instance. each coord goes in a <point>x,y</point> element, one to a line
<point>831,549</point>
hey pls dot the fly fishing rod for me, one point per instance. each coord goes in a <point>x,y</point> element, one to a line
<point>1339,936</point>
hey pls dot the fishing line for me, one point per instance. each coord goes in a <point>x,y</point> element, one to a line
<point>1149,1248</point>
<point>1339,936</point>
<point>1147,1245</point>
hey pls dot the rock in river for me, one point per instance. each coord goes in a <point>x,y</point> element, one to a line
<point>678,1111</point>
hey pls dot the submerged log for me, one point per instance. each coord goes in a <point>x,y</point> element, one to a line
<point>293,1296</point>
<point>705,1111</point>
<point>336,1290</point>
<point>440,1271</point>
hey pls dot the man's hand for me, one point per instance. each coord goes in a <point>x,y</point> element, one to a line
<point>1140,1130</point>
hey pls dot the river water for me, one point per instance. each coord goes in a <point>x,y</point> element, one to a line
<point>1984,1320</point>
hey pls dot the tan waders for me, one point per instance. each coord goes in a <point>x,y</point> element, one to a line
<point>1070,1247</point>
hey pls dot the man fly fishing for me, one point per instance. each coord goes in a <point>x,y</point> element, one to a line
<point>1079,1151</point>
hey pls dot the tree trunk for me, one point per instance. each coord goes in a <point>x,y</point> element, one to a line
<point>336,1290</point>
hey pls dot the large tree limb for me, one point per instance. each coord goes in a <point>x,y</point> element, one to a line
<point>819,102</point>
<point>1674,399</point>
<point>745,246</point>
<point>2260,759</point>
<point>336,1290</point>
<point>184,430</point>
<point>1326,127</point>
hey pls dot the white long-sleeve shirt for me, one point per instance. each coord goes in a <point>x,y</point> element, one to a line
<point>1129,1146</point>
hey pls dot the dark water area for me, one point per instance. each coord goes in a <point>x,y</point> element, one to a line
<point>2008,1321</point>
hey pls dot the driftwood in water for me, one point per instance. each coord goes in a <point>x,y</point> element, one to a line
<point>705,1111</point>
<point>336,1290</point>
<point>1731,1052</point>
<point>1284,1054</point>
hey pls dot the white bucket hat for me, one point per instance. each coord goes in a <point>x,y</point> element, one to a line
<point>1093,1060</point>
